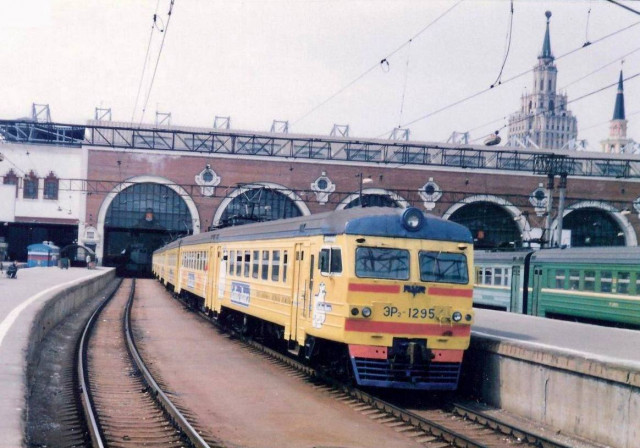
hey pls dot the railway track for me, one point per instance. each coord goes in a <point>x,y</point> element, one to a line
<point>123,404</point>
<point>452,425</point>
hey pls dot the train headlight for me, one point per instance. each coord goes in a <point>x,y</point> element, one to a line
<point>412,219</point>
<point>457,316</point>
<point>468,317</point>
<point>355,311</point>
<point>366,311</point>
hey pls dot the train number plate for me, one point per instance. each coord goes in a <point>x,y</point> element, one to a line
<point>411,313</point>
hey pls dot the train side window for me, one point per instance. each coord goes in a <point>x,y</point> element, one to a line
<point>275,266</point>
<point>574,279</point>
<point>247,262</point>
<point>497,278</point>
<point>624,279</point>
<point>507,277</point>
<point>239,263</point>
<point>323,261</point>
<point>198,258</point>
<point>232,262</point>
<point>560,277</point>
<point>637,282</point>
<point>265,264</point>
<point>589,280</point>
<point>605,281</point>
<point>285,262</point>
<point>479,276</point>
<point>488,276</point>
<point>330,261</point>
<point>256,264</point>
<point>336,261</point>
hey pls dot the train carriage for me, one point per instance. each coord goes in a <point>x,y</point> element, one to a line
<point>598,285</point>
<point>383,292</point>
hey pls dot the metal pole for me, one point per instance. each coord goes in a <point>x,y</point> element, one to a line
<point>562,190</point>
<point>547,220</point>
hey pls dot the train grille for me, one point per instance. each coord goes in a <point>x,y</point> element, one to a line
<point>383,373</point>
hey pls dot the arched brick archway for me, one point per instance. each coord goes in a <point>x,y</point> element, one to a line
<point>111,196</point>
<point>279,196</point>
<point>355,197</point>
<point>495,219</point>
<point>609,213</point>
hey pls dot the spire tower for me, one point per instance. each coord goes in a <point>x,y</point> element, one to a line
<point>618,143</point>
<point>543,120</point>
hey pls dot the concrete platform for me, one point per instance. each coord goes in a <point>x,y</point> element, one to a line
<point>29,306</point>
<point>580,379</point>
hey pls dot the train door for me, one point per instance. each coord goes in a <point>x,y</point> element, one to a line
<point>536,286</point>
<point>516,304</point>
<point>211,267</point>
<point>301,291</point>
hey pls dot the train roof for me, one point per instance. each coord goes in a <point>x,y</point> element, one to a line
<point>366,221</point>
<point>504,256</point>
<point>590,255</point>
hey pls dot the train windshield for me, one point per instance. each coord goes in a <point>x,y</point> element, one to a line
<point>443,267</point>
<point>377,262</point>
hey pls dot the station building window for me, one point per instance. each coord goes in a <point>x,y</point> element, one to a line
<point>592,226</point>
<point>51,185</point>
<point>259,204</point>
<point>373,200</point>
<point>11,179</point>
<point>31,186</point>
<point>490,224</point>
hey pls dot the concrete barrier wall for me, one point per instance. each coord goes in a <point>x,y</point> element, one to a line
<point>588,398</point>
<point>60,306</point>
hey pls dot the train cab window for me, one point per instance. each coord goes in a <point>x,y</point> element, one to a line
<point>589,280</point>
<point>330,261</point>
<point>239,263</point>
<point>247,262</point>
<point>574,279</point>
<point>443,267</point>
<point>256,264</point>
<point>560,277</point>
<point>265,264</point>
<point>285,262</point>
<point>606,280</point>
<point>275,266</point>
<point>623,282</point>
<point>378,262</point>
<point>232,262</point>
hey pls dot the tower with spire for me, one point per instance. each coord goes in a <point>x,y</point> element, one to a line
<point>543,120</point>
<point>618,143</point>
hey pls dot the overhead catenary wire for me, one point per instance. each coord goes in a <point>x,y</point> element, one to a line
<point>382,62</point>
<point>146,59</point>
<point>155,70</point>
<point>498,80</point>
<point>519,75</point>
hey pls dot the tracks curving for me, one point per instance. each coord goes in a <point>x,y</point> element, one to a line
<point>124,406</point>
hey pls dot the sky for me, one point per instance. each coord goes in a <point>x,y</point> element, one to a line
<point>316,63</point>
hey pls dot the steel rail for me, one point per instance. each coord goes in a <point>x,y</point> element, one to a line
<point>95,431</point>
<point>159,395</point>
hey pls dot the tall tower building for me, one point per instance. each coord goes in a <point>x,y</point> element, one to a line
<point>618,143</point>
<point>543,119</point>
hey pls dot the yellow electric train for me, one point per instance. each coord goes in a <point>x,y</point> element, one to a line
<point>381,294</point>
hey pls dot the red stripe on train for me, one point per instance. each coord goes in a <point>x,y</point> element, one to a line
<point>369,326</point>
<point>455,292</point>
<point>368,287</point>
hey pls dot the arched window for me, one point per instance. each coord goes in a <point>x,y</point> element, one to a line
<point>11,179</point>
<point>373,200</point>
<point>51,185</point>
<point>490,224</point>
<point>31,186</point>
<point>259,204</point>
<point>592,226</point>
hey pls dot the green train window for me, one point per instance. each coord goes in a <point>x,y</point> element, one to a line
<point>560,276</point>
<point>606,280</point>
<point>443,267</point>
<point>574,279</point>
<point>589,280</point>
<point>624,279</point>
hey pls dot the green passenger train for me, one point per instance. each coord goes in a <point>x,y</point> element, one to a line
<point>593,285</point>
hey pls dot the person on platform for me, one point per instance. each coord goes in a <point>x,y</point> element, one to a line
<point>12,270</point>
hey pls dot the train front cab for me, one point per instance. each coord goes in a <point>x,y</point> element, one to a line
<point>408,309</point>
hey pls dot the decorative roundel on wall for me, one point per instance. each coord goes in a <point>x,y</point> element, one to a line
<point>322,188</point>
<point>430,194</point>
<point>538,197</point>
<point>208,180</point>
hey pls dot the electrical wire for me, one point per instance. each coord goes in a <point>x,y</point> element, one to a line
<point>624,6</point>
<point>404,87</point>
<point>383,61</point>
<point>146,59</point>
<point>519,75</point>
<point>498,80</point>
<point>166,31</point>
